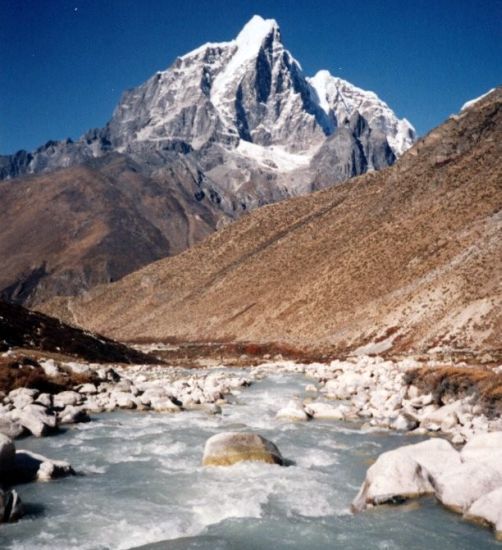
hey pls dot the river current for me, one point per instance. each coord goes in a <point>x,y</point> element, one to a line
<point>142,485</point>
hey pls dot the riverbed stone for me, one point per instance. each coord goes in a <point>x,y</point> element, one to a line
<point>7,454</point>
<point>406,472</point>
<point>37,419</point>
<point>459,488</point>
<point>11,507</point>
<point>64,398</point>
<point>325,411</point>
<point>228,448</point>
<point>31,466</point>
<point>10,427</point>
<point>488,509</point>
<point>73,415</point>
<point>292,411</point>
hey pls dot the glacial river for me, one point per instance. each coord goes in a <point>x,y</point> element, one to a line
<point>142,484</point>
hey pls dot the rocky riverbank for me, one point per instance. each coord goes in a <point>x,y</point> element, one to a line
<point>380,395</point>
<point>373,393</point>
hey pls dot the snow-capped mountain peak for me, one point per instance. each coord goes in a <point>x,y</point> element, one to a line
<point>340,100</point>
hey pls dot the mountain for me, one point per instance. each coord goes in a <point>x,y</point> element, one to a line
<point>405,259</point>
<point>64,232</point>
<point>228,127</point>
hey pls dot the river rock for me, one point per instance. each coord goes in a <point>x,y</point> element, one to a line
<point>88,389</point>
<point>37,420</point>
<point>486,447</point>
<point>22,397</point>
<point>406,472</point>
<point>73,415</point>
<point>228,448</point>
<point>31,466</point>
<point>459,488</point>
<point>11,507</point>
<point>7,454</point>
<point>444,418</point>
<point>292,411</point>
<point>488,509</point>
<point>10,427</point>
<point>325,411</point>
<point>44,399</point>
<point>164,404</point>
<point>64,398</point>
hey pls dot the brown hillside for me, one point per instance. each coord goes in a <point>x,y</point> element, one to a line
<point>408,258</point>
<point>67,231</point>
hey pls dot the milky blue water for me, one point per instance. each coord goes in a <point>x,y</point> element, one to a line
<point>142,483</point>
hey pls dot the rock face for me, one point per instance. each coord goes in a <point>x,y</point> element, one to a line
<point>229,448</point>
<point>226,128</point>
<point>361,267</point>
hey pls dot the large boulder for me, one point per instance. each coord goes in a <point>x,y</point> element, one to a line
<point>11,507</point>
<point>229,448</point>
<point>30,466</point>
<point>406,472</point>
<point>488,509</point>
<point>457,489</point>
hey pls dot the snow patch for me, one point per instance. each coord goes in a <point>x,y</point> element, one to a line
<point>248,44</point>
<point>273,156</point>
<point>471,102</point>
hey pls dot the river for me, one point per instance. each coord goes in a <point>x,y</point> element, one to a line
<point>142,482</point>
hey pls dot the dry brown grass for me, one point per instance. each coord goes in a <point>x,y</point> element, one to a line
<point>25,372</point>
<point>447,382</point>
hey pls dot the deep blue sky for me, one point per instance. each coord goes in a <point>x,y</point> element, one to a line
<point>64,64</point>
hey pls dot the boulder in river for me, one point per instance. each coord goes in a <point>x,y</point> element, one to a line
<point>34,467</point>
<point>7,455</point>
<point>293,411</point>
<point>488,509</point>
<point>405,473</point>
<point>228,448</point>
<point>11,507</point>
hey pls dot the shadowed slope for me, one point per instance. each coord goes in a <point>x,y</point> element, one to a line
<point>64,232</point>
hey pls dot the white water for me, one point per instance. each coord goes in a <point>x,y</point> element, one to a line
<point>143,483</point>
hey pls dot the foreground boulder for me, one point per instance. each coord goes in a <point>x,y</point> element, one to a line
<point>229,448</point>
<point>406,473</point>
<point>488,510</point>
<point>468,482</point>
<point>11,507</point>
<point>34,467</point>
